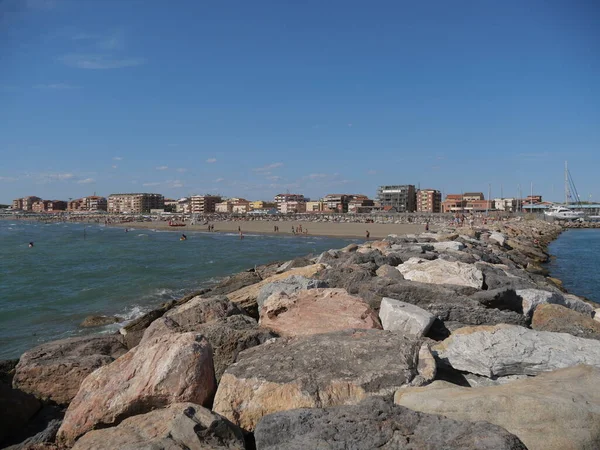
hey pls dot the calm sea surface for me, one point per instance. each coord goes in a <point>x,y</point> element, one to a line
<point>46,291</point>
<point>576,261</point>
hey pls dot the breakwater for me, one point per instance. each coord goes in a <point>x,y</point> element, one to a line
<point>459,322</point>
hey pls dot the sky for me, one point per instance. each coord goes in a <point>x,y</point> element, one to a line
<point>255,98</point>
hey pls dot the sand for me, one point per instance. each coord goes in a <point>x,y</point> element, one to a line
<point>351,230</point>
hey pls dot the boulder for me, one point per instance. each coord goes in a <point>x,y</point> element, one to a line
<point>201,310</point>
<point>578,304</point>
<point>442,272</point>
<point>448,245</point>
<point>321,370</point>
<point>53,371</point>
<point>498,238</point>
<point>528,250</point>
<point>98,321</point>
<point>288,285</point>
<point>292,264</point>
<point>246,296</point>
<point>236,282</point>
<point>315,311</point>
<point>502,299</point>
<point>379,245</point>
<point>133,331</point>
<point>349,248</point>
<point>168,369</point>
<point>40,429</point>
<point>7,370</point>
<point>559,319</point>
<point>502,350</point>
<point>387,271</point>
<point>404,317</point>
<point>184,426</point>
<point>16,408</point>
<point>375,423</point>
<point>552,411</point>
<point>532,298</point>
<point>596,315</point>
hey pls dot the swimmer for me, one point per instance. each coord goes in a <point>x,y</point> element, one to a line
<point>30,244</point>
<point>183,237</point>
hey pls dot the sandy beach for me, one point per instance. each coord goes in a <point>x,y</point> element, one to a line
<point>352,230</point>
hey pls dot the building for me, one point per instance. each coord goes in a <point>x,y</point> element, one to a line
<point>467,202</point>
<point>134,203</point>
<point>240,207</point>
<point>224,207</point>
<point>315,207</point>
<point>429,201</point>
<point>292,207</point>
<point>401,197</point>
<point>361,204</point>
<point>259,204</point>
<point>183,206</point>
<point>282,198</point>
<point>337,202</point>
<point>204,204</point>
<point>506,204</point>
<point>92,203</point>
<point>25,203</point>
<point>453,203</point>
<point>17,204</point>
<point>56,205</point>
<point>473,196</point>
<point>40,206</point>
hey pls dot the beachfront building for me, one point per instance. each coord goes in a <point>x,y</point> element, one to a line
<point>204,204</point>
<point>259,204</point>
<point>505,204</point>
<point>136,203</point>
<point>467,202</point>
<point>17,203</point>
<point>292,207</point>
<point>183,206</point>
<point>453,203</point>
<point>92,203</point>
<point>429,201</point>
<point>284,198</point>
<point>361,204</point>
<point>40,206</point>
<point>315,207</point>
<point>25,203</point>
<point>401,197</point>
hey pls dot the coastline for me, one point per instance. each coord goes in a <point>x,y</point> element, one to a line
<point>517,248</point>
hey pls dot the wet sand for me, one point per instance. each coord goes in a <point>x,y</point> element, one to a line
<point>351,230</point>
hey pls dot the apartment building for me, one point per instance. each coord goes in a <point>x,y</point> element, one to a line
<point>337,202</point>
<point>204,204</point>
<point>17,203</point>
<point>361,204</point>
<point>467,202</point>
<point>40,206</point>
<point>25,203</point>
<point>136,203</point>
<point>429,201</point>
<point>401,197</point>
<point>505,204</point>
<point>92,203</point>
<point>259,204</point>
<point>315,207</point>
<point>292,207</point>
<point>283,198</point>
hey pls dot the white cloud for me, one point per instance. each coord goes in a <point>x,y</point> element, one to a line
<point>114,166</point>
<point>55,86</point>
<point>316,176</point>
<point>372,172</point>
<point>175,184</point>
<point>269,167</point>
<point>117,158</point>
<point>86,181</point>
<point>274,178</point>
<point>99,62</point>
<point>7,179</point>
<point>181,170</point>
<point>154,183</point>
<point>211,160</point>
<point>219,180</point>
<point>162,168</point>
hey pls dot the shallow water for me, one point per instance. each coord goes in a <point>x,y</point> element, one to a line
<point>576,261</point>
<point>77,270</point>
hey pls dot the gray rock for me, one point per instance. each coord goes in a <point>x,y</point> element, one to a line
<point>292,264</point>
<point>7,370</point>
<point>236,282</point>
<point>289,285</point>
<point>387,271</point>
<point>182,426</point>
<point>447,245</point>
<point>577,304</point>
<point>532,298</point>
<point>502,299</point>
<point>404,317</point>
<point>498,238</point>
<point>318,371</point>
<point>375,423</point>
<point>552,411</point>
<point>442,272</point>
<point>54,370</point>
<point>559,319</point>
<point>98,321</point>
<point>40,429</point>
<point>201,310</point>
<point>501,350</point>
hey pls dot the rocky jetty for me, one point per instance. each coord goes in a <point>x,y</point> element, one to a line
<point>455,338</point>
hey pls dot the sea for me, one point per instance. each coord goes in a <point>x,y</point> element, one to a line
<point>76,270</point>
<point>575,260</point>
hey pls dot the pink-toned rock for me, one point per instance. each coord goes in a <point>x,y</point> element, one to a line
<point>380,245</point>
<point>167,369</point>
<point>316,311</point>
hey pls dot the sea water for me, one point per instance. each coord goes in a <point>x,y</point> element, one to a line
<point>576,262</point>
<point>76,270</point>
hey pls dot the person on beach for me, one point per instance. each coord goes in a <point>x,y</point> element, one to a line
<point>183,237</point>
<point>293,230</point>
<point>427,226</point>
<point>368,234</point>
<point>241,235</point>
<point>30,244</point>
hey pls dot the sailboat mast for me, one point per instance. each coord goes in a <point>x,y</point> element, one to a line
<point>566,184</point>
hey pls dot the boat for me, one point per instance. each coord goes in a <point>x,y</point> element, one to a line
<point>563,213</point>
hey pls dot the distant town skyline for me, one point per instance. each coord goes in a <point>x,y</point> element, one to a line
<point>258,98</point>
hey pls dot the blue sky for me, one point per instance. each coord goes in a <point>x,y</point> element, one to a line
<point>255,98</point>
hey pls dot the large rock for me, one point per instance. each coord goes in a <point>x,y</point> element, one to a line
<point>559,319</point>
<point>375,423</point>
<point>387,271</point>
<point>404,317</point>
<point>236,282</point>
<point>503,299</point>
<point>168,369</point>
<point>502,350</point>
<point>246,297</point>
<point>442,272</point>
<point>288,285</point>
<point>553,411</point>
<point>40,429</point>
<point>53,371</point>
<point>532,298</point>
<point>184,426</point>
<point>498,238</point>
<point>16,408</point>
<point>201,310</point>
<point>528,250</point>
<point>318,371</point>
<point>316,311</point>
<point>448,245</point>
